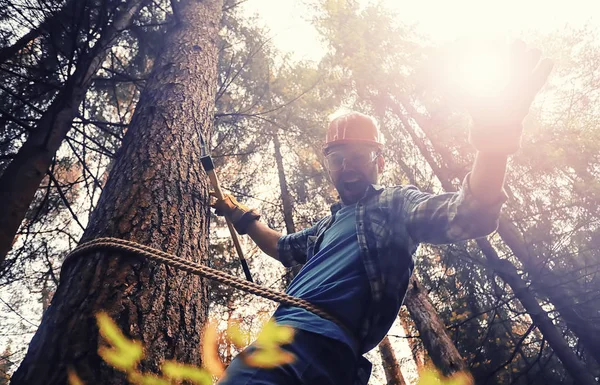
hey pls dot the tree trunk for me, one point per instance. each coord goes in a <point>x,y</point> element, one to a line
<point>438,344</point>
<point>288,208</point>
<point>509,274</point>
<point>23,175</point>
<point>157,195</point>
<point>416,347</point>
<point>393,375</point>
<point>587,333</point>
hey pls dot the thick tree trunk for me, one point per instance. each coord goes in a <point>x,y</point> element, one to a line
<point>438,344</point>
<point>416,347</point>
<point>156,195</point>
<point>23,175</point>
<point>509,274</point>
<point>393,375</point>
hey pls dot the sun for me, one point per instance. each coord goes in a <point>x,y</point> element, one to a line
<point>482,71</point>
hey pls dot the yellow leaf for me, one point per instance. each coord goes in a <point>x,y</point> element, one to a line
<point>73,378</point>
<point>210,350</point>
<point>431,376</point>
<point>138,378</point>
<point>236,335</point>
<point>177,371</point>
<point>269,358</point>
<point>275,335</point>
<point>124,353</point>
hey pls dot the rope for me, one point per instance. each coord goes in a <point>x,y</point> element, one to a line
<point>197,269</point>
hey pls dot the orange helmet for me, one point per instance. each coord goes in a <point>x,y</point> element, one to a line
<point>353,127</point>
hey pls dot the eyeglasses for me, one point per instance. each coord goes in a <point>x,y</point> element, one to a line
<point>336,160</point>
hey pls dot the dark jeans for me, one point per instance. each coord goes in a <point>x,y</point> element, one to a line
<point>319,361</point>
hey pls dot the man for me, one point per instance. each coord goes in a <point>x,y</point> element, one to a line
<point>358,261</point>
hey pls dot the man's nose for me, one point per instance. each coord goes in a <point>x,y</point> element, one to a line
<point>348,165</point>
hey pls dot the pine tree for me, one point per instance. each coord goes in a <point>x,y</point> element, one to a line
<point>156,195</point>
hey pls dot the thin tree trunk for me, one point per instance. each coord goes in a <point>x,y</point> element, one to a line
<point>393,375</point>
<point>157,195</point>
<point>22,177</point>
<point>437,342</point>
<point>586,332</point>
<point>508,273</point>
<point>288,209</point>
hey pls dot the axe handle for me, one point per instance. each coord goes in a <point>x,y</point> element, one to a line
<point>234,235</point>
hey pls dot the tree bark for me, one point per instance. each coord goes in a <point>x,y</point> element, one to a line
<point>416,347</point>
<point>22,177</point>
<point>288,208</point>
<point>438,344</point>
<point>156,195</point>
<point>393,375</point>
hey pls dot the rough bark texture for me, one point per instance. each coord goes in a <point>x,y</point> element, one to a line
<point>156,195</point>
<point>507,271</point>
<point>393,375</point>
<point>416,347</point>
<point>22,177</point>
<point>438,344</point>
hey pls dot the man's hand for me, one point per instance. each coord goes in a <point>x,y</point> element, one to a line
<point>497,119</point>
<point>238,214</point>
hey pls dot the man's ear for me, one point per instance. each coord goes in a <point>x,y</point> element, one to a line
<point>380,164</point>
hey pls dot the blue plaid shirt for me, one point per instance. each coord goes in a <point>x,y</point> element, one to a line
<point>391,223</point>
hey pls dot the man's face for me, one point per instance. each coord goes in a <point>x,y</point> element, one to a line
<point>352,168</point>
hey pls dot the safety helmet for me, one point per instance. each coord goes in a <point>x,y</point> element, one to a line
<point>353,127</point>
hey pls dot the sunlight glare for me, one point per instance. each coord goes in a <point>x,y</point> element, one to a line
<point>482,71</point>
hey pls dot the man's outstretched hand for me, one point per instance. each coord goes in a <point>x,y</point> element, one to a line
<point>498,118</point>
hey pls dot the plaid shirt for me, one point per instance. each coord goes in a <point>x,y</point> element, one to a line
<point>391,223</point>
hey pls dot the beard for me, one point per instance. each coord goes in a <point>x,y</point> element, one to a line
<point>351,186</point>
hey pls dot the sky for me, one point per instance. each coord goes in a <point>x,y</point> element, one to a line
<point>440,20</point>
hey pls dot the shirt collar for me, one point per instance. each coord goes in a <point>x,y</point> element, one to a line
<point>372,189</point>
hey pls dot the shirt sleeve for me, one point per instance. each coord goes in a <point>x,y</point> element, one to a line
<point>449,217</point>
<point>291,248</point>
